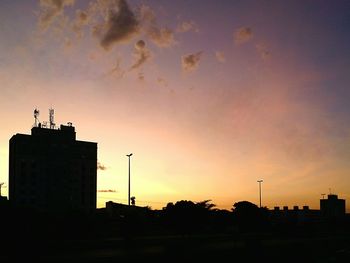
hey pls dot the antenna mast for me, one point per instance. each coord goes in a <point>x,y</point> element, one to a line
<point>36,115</point>
<point>51,118</point>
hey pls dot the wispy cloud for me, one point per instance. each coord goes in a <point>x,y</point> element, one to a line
<point>220,56</point>
<point>81,19</point>
<point>160,36</point>
<point>50,10</point>
<point>141,54</point>
<point>243,35</point>
<point>117,71</point>
<point>186,26</point>
<point>190,62</point>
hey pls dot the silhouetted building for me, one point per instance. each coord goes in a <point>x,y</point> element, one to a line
<point>51,171</point>
<point>332,206</point>
<point>295,215</point>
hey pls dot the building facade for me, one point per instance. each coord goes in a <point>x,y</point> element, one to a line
<point>50,170</point>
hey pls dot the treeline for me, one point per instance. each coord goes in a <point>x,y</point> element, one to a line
<point>188,218</point>
<point>180,218</point>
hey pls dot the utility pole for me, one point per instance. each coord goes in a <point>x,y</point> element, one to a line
<point>129,155</point>
<point>260,181</point>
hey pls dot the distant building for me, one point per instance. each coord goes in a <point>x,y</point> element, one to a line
<point>50,170</point>
<point>295,215</point>
<point>332,206</point>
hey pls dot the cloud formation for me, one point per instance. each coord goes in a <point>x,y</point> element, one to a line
<point>110,21</point>
<point>220,56</point>
<point>101,167</point>
<point>50,10</point>
<point>121,25</point>
<point>141,54</point>
<point>190,62</point>
<point>81,19</point>
<point>186,26</point>
<point>243,35</point>
<point>160,36</point>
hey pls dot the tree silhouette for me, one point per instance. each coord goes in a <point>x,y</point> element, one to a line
<point>206,204</point>
<point>186,217</point>
<point>248,216</point>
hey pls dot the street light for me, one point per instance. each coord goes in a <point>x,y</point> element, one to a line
<point>260,181</point>
<point>129,155</point>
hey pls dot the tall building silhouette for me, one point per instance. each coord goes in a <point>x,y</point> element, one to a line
<point>332,206</point>
<point>50,170</point>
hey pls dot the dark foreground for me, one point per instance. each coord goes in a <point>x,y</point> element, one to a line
<point>184,232</point>
<point>196,248</point>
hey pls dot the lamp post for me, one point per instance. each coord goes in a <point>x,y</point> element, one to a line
<point>260,181</point>
<point>129,155</point>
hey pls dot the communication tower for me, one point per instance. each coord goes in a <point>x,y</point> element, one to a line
<point>51,118</point>
<point>36,119</point>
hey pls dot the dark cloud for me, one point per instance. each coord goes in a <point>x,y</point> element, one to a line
<point>141,54</point>
<point>101,167</point>
<point>243,35</point>
<point>111,22</point>
<point>190,62</point>
<point>50,10</point>
<point>121,25</point>
<point>186,26</point>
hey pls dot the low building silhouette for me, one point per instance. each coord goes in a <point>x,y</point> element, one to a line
<point>298,215</point>
<point>50,170</point>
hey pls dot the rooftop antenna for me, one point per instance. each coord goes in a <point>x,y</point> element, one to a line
<point>323,195</point>
<point>51,118</point>
<point>36,115</point>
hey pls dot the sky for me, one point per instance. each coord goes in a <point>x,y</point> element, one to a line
<point>209,96</point>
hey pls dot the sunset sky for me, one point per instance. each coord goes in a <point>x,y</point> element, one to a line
<point>209,96</point>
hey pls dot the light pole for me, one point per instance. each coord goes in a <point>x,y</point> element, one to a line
<point>129,155</point>
<point>260,181</point>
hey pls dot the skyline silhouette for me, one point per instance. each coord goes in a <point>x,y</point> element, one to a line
<point>210,97</point>
<point>45,128</point>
